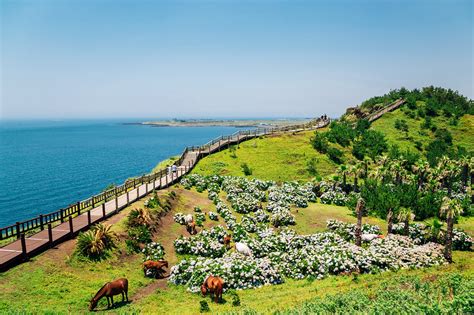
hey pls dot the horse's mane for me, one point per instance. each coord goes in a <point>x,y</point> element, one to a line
<point>100,290</point>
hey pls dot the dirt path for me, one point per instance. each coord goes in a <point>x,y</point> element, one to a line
<point>168,231</point>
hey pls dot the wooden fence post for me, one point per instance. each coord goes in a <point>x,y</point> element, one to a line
<point>116,200</point>
<point>89,221</point>
<point>128,198</point>
<point>50,234</point>
<point>18,230</point>
<point>161,176</point>
<point>103,210</point>
<point>78,208</point>
<point>41,222</point>
<point>93,202</point>
<point>146,188</point>
<point>61,212</point>
<point>23,246</point>
<point>138,192</point>
<point>71,227</point>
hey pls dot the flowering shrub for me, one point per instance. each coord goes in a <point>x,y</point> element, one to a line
<point>213,216</point>
<point>179,218</point>
<point>153,251</point>
<point>207,243</point>
<point>421,234</point>
<point>249,223</point>
<point>279,253</point>
<point>200,218</point>
<point>286,254</point>
<point>281,217</point>
<point>347,230</point>
<point>238,272</point>
<point>261,216</point>
<point>197,209</point>
<point>336,197</point>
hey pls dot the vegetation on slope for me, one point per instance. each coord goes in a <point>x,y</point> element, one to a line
<point>433,122</point>
<point>278,157</point>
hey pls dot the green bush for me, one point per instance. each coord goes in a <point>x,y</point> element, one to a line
<point>335,155</point>
<point>96,243</point>
<point>320,142</point>
<point>246,169</point>
<point>203,307</point>
<point>372,144</point>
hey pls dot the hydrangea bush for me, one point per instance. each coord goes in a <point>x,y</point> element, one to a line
<point>347,230</point>
<point>153,251</point>
<point>421,234</point>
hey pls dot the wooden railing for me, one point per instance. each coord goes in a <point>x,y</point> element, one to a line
<point>39,222</point>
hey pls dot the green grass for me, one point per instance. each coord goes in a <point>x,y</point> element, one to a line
<point>55,283</point>
<point>280,158</point>
<point>163,164</point>
<point>462,133</point>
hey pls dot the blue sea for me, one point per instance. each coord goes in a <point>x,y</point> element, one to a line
<point>47,165</point>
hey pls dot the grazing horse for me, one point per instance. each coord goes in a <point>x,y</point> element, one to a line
<point>119,286</point>
<point>156,265</point>
<point>243,249</point>
<point>215,286</point>
<point>370,237</point>
<point>191,228</point>
<point>227,240</point>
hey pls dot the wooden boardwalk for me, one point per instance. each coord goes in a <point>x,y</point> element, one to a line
<point>48,235</point>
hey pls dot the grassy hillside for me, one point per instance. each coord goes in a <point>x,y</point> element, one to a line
<point>463,133</point>
<point>54,282</point>
<point>288,156</point>
<point>278,157</point>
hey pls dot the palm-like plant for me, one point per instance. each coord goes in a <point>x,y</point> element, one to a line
<point>95,242</point>
<point>105,233</point>
<point>450,208</point>
<point>421,169</point>
<point>466,165</point>
<point>359,211</point>
<point>142,217</point>
<point>389,221</point>
<point>406,216</point>
<point>342,171</point>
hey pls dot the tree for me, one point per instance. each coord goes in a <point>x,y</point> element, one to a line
<point>372,143</point>
<point>406,216</point>
<point>342,170</point>
<point>450,208</point>
<point>359,211</point>
<point>389,221</point>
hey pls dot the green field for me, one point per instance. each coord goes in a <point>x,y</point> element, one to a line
<point>277,157</point>
<point>57,282</point>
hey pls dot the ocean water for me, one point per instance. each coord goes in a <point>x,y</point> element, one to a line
<point>47,165</point>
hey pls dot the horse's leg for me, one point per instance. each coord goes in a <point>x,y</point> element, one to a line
<point>108,302</point>
<point>112,299</point>
<point>123,296</point>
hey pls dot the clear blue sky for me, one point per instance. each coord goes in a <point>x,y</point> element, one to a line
<point>85,59</point>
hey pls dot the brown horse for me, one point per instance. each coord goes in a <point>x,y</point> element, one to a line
<point>119,286</point>
<point>191,228</point>
<point>215,286</point>
<point>227,240</point>
<point>156,265</point>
